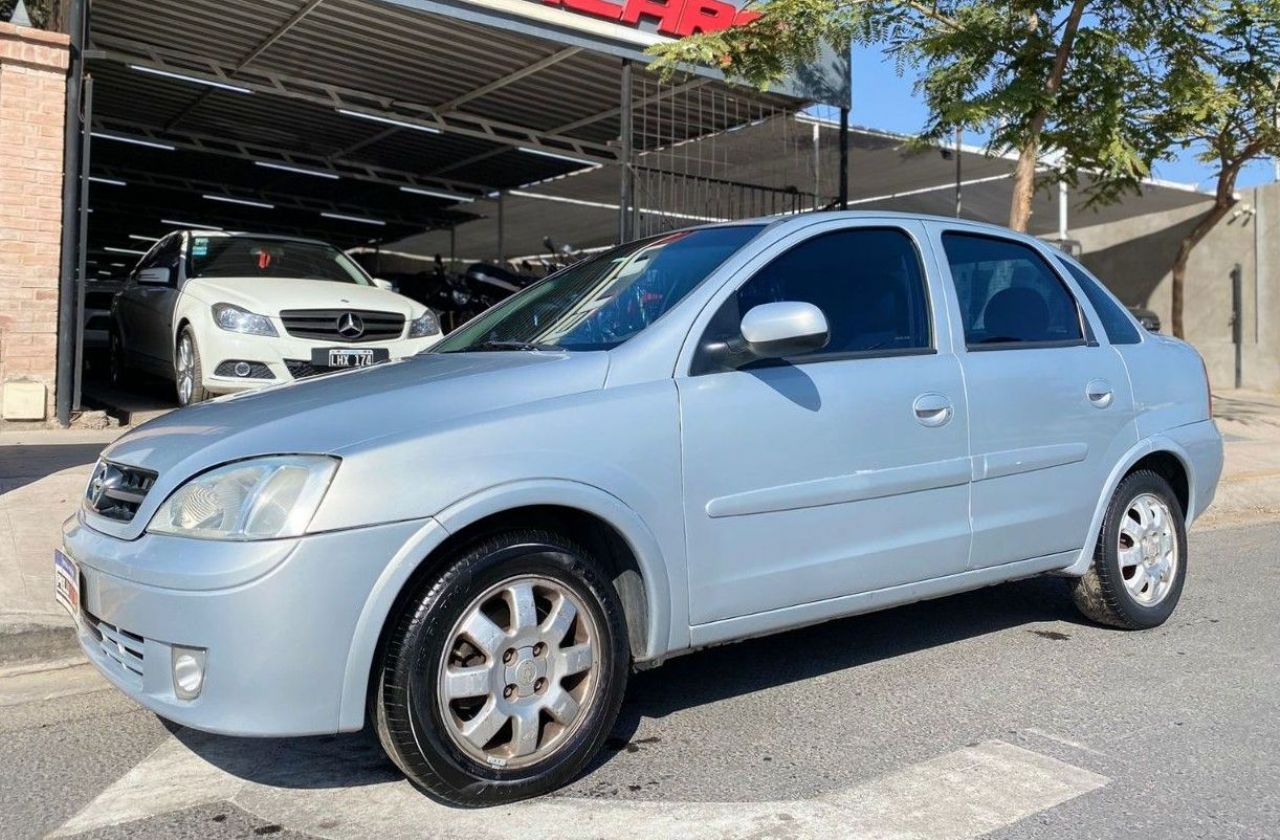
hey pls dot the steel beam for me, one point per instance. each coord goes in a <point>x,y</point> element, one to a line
<point>357,170</point>
<point>474,93</point>
<point>133,53</point>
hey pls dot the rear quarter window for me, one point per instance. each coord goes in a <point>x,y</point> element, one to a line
<point>1116,323</point>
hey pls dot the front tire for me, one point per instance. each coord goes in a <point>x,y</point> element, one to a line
<point>503,676</point>
<point>1140,561</point>
<point>188,373</point>
<point>117,367</point>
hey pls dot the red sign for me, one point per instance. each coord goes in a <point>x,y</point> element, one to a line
<point>675,18</point>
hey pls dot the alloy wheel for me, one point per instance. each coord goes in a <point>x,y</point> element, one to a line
<point>519,672</point>
<point>1148,547</point>
<point>186,370</point>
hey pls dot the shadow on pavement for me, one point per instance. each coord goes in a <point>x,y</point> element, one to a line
<point>23,464</point>
<point>685,682</point>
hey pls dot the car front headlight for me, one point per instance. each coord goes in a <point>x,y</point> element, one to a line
<point>425,324</point>
<point>234,319</point>
<point>256,499</point>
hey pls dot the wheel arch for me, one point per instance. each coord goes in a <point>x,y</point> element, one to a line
<point>601,521</point>
<point>1162,455</point>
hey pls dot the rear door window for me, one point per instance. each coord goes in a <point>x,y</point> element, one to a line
<point>1010,297</point>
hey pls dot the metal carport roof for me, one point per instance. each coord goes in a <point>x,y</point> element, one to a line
<point>379,111</point>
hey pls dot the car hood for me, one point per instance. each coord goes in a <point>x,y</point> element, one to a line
<point>269,295</point>
<point>337,413</point>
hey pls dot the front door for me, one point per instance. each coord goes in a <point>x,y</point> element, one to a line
<point>1050,408</point>
<point>838,472</point>
<point>147,307</point>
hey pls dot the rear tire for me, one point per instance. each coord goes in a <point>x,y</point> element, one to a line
<point>503,676</point>
<point>187,370</point>
<point>1140,560</point>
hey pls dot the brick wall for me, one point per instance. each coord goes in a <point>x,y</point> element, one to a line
<point>33,68</point>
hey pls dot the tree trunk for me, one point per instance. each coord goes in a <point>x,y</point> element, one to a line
<point>1024,184</point>
<point>1178,285</point>
<point>1024,176</point>
<point>1224,198</point>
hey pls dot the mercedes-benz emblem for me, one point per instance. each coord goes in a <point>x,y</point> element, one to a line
<point>350,325</point>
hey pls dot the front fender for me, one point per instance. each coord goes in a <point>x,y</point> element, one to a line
<point>644,546</point>
<point>1197,446</point>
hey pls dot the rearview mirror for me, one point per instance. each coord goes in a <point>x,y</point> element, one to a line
<point>384,284</point>
<point>155,276</point>
<point>788,328</point>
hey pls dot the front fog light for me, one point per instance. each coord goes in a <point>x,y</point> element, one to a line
<point>188,672</point>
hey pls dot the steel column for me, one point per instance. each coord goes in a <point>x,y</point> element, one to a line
<point>959,178</point>
<point>83,243</point>
<point>77,25</point>
<point>626,173</point>
<point>844,158</point>
<point>502,225</point>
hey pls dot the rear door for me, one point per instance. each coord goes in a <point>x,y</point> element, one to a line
<point>836,472</point>
<point>1050,407</point>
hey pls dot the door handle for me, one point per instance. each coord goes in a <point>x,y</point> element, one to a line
<point>932,410</point>
<point>1099,393</point>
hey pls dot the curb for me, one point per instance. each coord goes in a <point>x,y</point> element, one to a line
<point>32,640</point>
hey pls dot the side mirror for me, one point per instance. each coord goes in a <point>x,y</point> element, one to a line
<point>788,328</point>
<point>155,276</point>
<point>384,284</point>
<point>771,331</point>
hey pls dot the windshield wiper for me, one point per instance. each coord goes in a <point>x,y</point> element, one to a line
<point>514,345</point>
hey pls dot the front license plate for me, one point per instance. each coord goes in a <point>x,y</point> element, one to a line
<point>66,583</point>
<point>343,358</point>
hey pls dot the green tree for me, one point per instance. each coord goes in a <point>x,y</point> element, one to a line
<point>1044,78</point>
<point>1218,94</point>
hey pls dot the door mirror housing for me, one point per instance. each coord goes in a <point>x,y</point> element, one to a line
<point>155,276</point>
<point>768,331</point>
<point>788,328</point>
<point>384,284</point>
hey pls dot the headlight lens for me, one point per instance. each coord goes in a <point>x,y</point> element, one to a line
<point>234,319</point>
<point>425,324</point>
<point>257,499</point>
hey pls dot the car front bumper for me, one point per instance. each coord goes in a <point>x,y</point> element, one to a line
<point>288,358</point>
<point>275,620</point>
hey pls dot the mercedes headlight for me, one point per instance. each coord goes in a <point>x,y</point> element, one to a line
<point>257,499</point>
<point>234,319</point>
<point>425,324</point>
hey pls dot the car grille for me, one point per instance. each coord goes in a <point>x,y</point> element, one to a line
<point>116,491</point>
<point>349,326</point>
<point>124,650</point>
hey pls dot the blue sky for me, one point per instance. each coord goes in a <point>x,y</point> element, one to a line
<point>883,99</point>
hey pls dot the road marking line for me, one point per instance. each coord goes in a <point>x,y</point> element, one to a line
<point>172,778</point>
<point>1066,742</point>
<point>331,790</point>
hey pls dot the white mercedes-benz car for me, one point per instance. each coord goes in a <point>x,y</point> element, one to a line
<point>221,312</point>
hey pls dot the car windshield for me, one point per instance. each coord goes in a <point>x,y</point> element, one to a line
<point>248,256</point>
<point>602,301</point>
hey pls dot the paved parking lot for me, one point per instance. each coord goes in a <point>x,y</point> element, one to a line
<point>996,713</point>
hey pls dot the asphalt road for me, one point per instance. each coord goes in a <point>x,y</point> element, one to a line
<point>997,713</point>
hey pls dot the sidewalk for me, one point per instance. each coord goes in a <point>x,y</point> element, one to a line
<point>42,475</point>
<point>1250,487</point>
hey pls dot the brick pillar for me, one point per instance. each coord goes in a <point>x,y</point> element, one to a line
<point>33,89</point>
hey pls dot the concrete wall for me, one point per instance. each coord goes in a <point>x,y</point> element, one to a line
<point>33,73</point>
<point>1134,257</point>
